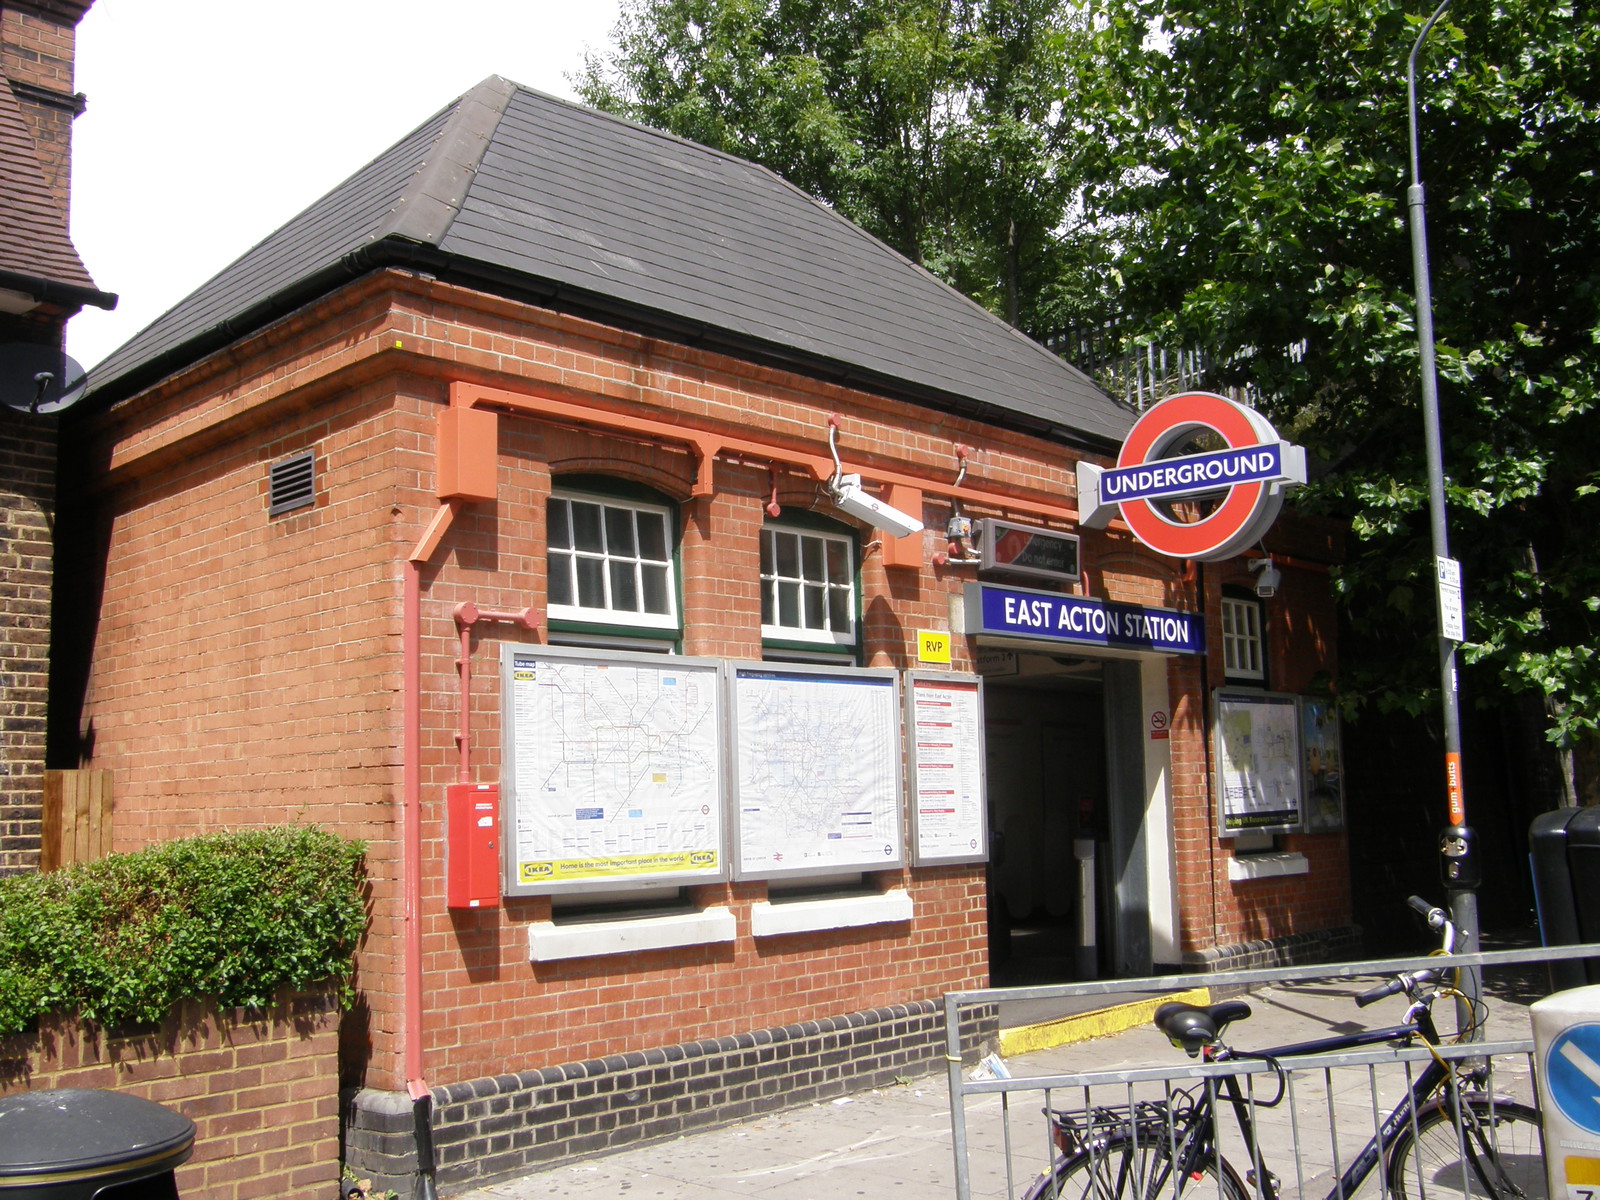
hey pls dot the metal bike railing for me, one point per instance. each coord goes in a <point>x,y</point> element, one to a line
<point>1331,1107</point>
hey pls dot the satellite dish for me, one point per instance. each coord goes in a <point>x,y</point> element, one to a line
<point>38,379</point>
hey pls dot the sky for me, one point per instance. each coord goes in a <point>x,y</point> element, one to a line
<point>211,123</point>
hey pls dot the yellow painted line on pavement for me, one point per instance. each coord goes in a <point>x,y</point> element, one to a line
<point>1080,1027</point>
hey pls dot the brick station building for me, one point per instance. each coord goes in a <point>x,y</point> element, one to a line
<point>407,504</point>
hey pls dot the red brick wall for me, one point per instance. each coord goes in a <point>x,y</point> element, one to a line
<point>1301,641</point>
<point>263,1091</point>
<point>248,670</point>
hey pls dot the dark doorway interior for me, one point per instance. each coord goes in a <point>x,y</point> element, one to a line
<point>1047,789</point>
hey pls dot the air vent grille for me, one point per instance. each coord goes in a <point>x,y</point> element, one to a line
<point>291,484</point>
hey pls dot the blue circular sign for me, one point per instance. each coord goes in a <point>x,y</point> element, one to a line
<point>1572,1069</point>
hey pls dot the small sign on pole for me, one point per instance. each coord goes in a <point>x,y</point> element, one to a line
<point>1452,617</point>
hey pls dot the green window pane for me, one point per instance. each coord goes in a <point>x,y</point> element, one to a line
<point>656,599</point>
<point>560,579</point>
<point>766,603</point>
<point>838,562</point>
<point>789,604</point>
<point>788,555</point>
<point>619,533</point>
<point>816,606</point>
<point>652,536</point>
<point>812,553</point>
<point>839,615</point>
<point>556,517</point>
<point>624,590</point>
<point>591,584</point>
<point>586,527</point>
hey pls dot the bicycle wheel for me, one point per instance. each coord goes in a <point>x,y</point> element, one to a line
<point>1128,1169</point>
<point>1497,1154</point>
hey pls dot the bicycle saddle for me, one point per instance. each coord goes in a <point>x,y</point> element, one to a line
<point>1192,1026</point>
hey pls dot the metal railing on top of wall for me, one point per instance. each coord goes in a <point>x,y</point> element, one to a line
<point>1332,1103</point>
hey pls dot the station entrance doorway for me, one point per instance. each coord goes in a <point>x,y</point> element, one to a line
<point>1067,886</point>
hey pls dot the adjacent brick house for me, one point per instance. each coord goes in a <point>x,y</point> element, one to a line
<point>42,284</point>
<point>406,503</point>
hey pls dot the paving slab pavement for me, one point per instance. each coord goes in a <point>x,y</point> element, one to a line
<point>896,1142</point>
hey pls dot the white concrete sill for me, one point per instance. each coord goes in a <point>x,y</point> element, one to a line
<point>841,912</point>
<point>1267,866</point>
<point>549,942</point>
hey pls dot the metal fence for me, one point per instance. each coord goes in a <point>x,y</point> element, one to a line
<point>1331,1104</point>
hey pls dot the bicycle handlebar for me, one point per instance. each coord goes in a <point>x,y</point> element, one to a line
<point>1373,995</point>
<point>1409,981</point>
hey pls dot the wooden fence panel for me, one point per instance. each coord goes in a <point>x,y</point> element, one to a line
<point>77,818</point>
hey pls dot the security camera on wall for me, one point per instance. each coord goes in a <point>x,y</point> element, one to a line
<point>852,498</point>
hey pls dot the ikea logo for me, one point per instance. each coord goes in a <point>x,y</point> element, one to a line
<point>703,858</point>
<point>537,871</point>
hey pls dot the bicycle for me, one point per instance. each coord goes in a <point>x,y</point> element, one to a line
<point>1447,1139</point>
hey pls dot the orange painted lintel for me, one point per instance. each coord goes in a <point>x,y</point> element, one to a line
<point>705,445</point>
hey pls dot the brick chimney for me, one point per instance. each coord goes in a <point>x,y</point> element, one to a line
<point>38,45</point>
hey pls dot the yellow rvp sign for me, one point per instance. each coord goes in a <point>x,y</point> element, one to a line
<point>933,646</point>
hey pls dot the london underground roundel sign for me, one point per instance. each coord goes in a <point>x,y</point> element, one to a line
<point>1246,478</point>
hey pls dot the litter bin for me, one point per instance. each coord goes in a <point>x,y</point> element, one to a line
<point>1565,848</point>
<point>79,1144</point>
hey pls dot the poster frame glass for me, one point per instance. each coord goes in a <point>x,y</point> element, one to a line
<point>705,861</point>
<point>806,859</point>
<point>931,843</point>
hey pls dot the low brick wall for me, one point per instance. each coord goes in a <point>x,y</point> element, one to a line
<point>510,1125</point>
<point>1299,949</point>
<point>262,1089</point>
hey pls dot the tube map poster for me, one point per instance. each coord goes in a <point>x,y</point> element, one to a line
<point>818,771</point>
<point>615,766</point>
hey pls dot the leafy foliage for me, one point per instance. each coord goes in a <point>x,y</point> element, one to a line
<point>1232,178</point>
<point>231,917</point>
<point>1255,169</point>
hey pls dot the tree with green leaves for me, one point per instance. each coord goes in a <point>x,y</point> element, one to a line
<point>1255,169</point>
<point>1231,178</point>
<point>940,126</point>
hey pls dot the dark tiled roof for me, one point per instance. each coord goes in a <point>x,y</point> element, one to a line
<point>513,190</point>
<point>36,252</point>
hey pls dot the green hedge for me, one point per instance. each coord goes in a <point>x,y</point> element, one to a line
<point>229,917</point>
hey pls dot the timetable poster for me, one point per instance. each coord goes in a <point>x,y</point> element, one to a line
<point>946,721</point>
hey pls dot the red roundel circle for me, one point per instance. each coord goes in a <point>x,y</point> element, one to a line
<point>1245,511</point>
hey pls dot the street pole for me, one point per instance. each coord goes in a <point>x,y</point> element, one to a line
<point>1459,857</point>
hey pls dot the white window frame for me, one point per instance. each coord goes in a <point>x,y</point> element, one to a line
<point>567,556</point>
<point>772,582</point>
<point>1244,641</point>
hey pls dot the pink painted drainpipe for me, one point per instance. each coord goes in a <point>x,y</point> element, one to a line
<point>411,795</point>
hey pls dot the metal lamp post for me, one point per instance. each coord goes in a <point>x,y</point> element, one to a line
<point>1459,858</point>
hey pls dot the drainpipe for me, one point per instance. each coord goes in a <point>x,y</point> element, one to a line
<point>411,835</point>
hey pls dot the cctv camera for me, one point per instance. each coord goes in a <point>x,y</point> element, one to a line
<point>1267,582</point>
<point>852,498</point>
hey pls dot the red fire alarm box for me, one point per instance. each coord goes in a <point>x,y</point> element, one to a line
<point>472,852</point>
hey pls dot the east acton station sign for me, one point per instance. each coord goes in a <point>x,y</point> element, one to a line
<point>1058,617</point>
<point>1247,478</point>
